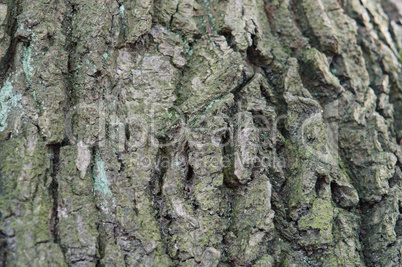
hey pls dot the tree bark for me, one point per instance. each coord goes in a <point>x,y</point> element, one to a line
<point>201,133</point>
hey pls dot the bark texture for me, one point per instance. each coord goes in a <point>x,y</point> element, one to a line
<point>200,133</point>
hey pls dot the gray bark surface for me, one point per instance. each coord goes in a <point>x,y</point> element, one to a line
<point>200,133</point>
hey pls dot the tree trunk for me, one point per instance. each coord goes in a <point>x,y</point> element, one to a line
<point>201,133</point>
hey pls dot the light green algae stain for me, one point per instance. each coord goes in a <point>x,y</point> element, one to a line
<point>26,63</point>
<point>9,99</point>
<point>400,57</point>
<point>100,179</point>
<point>121,9</point>
<point>212,103</point>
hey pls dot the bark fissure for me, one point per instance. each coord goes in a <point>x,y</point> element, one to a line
<point>6,62</point>
<point>54,151</point>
